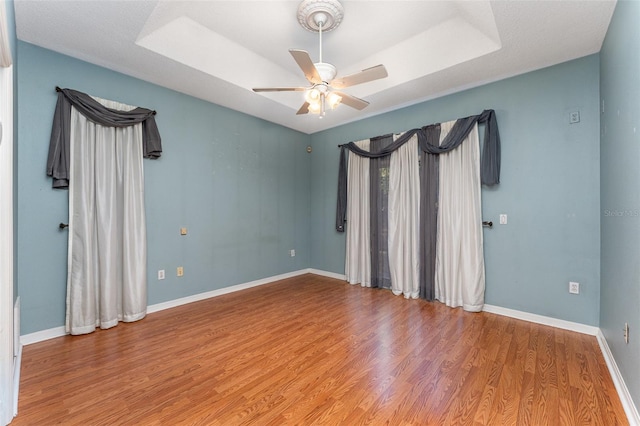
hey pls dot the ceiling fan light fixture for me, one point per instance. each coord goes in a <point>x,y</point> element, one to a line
<point>334,100</point>
<point>312,95</point>
<point>314,107</point>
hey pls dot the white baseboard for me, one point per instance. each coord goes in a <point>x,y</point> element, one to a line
<point>42,335</point>
<point>541,319</point>
<point>623,392</point>
<point>51,333</point>
<point>328,274</point>
<point>219,292</point>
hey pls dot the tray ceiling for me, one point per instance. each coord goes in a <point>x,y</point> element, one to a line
<point>218,50</point>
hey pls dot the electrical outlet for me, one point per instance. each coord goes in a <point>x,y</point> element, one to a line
<point>161,274</point>
<point>180,271</point>
<point>574,117</point>
<point>574,288</point>
<point>626,332</point>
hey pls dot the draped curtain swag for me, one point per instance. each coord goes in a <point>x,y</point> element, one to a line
<point>490,162</point>
<point>433,247</point>
<point>58,160</point>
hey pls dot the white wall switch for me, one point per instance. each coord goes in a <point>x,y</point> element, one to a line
<point>503,219</point>
<point>292,253</point>
<point>161,274</point>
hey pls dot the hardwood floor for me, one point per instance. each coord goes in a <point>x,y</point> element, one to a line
<point>314,350</point>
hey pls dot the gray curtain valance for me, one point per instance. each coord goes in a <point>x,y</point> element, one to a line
<point>489,167</point>
<point>58,159</point>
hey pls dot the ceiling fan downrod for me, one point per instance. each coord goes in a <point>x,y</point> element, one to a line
<point>320,19</point>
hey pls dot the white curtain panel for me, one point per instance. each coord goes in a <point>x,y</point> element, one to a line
<point>460,279</point>
<point>107,273</point>
<point>404,220</point>
<point>358,253</point>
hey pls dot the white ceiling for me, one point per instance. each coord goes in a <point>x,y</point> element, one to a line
<point>218,50</point>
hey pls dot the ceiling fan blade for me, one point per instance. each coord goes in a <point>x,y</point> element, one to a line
<point>304,109</point>
<point>370,74</point>
<point>306,65</point>
<point>352,101</point>
<point>279,89</point>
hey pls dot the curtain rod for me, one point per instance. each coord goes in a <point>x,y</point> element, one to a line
<point>58,89</point>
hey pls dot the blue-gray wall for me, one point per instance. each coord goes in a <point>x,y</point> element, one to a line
<point>620,194</point>
<point>239,184</point>
<point>549,187</point>
<point>248,191</point>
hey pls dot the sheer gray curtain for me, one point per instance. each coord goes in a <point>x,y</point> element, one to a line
<point>379,213</point>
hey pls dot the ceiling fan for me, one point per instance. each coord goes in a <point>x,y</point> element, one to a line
<point>325,15</point>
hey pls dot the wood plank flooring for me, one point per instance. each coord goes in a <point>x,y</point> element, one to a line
<point>314,350</point>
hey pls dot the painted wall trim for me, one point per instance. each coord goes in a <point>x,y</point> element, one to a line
<point>219,292</point>
<point>52,333</point>
<point>328,274</point>
<point>42,335</point>
<point>541,319</point>
<point>17,363</point>
<point>623,392</point>
<point>7,255</point>
<point>17,355</point>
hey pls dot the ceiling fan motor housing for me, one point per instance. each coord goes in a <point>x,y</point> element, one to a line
<point>312,13</point>
<point>327,71</point>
